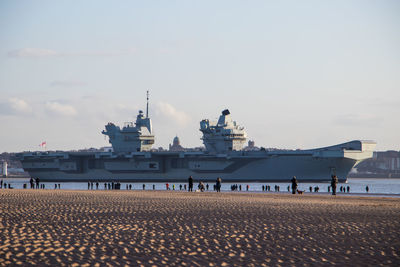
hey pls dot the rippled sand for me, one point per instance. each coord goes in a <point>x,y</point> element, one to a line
<point>49,227</point>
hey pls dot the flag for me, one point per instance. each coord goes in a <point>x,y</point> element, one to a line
<point>43,144</point>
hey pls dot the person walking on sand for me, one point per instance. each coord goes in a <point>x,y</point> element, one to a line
<point>37,183</point>
<point>294,184</point>
<point>334,182</point>
<point>367,188</point>
<point>190,182</point>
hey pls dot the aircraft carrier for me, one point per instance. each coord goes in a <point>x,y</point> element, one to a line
<point>132,158</point>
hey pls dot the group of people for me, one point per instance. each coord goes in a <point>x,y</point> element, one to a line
<point>332,187</point>
<point>201,187</point>
<point>35,183</point>
<point>4,185</point>
<point>236,187</point>
<point>334,182</point>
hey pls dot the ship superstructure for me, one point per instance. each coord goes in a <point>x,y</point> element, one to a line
<point>224,136</point>
<point>133,160</point>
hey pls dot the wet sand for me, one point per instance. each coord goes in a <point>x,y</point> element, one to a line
<point>100,228</point>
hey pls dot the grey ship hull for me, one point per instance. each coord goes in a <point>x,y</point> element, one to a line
<point>257,166</point>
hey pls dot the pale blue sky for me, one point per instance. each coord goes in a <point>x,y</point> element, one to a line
<point>295,74</point>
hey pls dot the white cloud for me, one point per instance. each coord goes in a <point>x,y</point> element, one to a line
<point>60,109</point>
<point>41,52</point>
<point>19,105</point>
<point>15,106</point>
<point>67,83</point>
<point>358,120</point>
<point>32,53</point>
<point>169,112</point>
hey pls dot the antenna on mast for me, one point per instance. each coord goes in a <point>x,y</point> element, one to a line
<point>147,107</point>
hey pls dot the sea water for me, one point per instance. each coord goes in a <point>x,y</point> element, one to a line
<point>356,185</point>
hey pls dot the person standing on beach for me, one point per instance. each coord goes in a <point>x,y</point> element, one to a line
<point>334,182</point>
<point>218,184</point>
<point>190,182</point>
<point>294,184</point>
<point>37,183</point>
<point>367,188</point>
<point>30,181</point>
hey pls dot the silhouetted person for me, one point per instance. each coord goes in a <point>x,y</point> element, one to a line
<point>91,185</point>
<point>88,185</point>
<point>207,186</point>
<point>30,182</point>
<point>180,187</point>
<point>367,188</point>
<point>59,187</point>
<point>55,186</point>
<point>1,183</point>
<point>218,184</point>
<point>348,189</point>
<point>37,183</point>
<point>105,185</point>
<point>97,185</point>
<point>310,189</point>
<point>184,187</point>
<point>190,182</point>
<point>294,184</point>
<point>130,186</point>
<point>144,186</point>
<point>154,187</point>
<point>334,183</point>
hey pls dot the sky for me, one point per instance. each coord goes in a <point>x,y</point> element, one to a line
<point>295,74</point>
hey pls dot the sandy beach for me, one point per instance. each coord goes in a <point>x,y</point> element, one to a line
<point>98,228</point>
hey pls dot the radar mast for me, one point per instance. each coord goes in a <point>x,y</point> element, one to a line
<point>147,106</point>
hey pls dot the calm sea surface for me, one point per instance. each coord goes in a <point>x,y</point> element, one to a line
<point>357,185</point>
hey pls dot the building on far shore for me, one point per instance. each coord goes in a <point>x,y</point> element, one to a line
<point>251,146</point>
<point>176,145</point>
<point>383,164</point>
